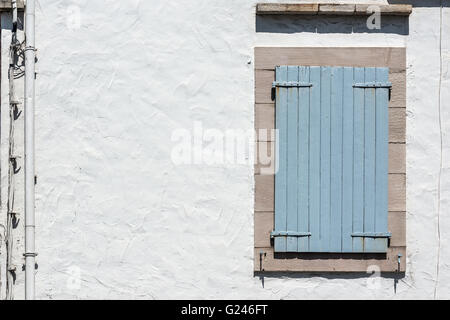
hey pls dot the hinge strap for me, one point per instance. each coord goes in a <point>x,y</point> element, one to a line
<point>386,85</point>
<point>296,84</point>
<point>371,234</point>
<point>275,234</point>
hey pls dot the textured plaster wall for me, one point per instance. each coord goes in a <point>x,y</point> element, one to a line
<point>117,219</point>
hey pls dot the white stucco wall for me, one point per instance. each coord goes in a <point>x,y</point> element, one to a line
<point>113,210</point>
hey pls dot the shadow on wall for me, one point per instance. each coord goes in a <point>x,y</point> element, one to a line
<point>422,3</point>
<point>6,21</point>
<point>329,24</point>
<point>395,276</point>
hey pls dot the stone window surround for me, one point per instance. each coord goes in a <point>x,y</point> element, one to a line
<point>266,58</point>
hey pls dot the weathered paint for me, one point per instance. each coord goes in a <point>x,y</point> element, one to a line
<point>292,212</point>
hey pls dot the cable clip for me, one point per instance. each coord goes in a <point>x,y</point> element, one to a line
<point>30,254</point>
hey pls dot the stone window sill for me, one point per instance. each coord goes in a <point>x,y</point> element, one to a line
<point>331,9</point>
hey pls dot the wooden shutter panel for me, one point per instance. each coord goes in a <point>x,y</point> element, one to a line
<point>331,187</point>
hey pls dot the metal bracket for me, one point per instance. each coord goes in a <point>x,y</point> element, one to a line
<point>399,259</point>
<point>288,84</point>
<point>275,234</point>
<point>30,254</point>
<point>30,48</point>
<point>374,84</point>
<point>261,254</point>
<point>371,235</point>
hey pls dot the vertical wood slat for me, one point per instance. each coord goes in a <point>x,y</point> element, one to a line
<point>314,160</point>
<point>325,158</point>
<point>281,176</point>
<point>358,160</point>
<point>303,159</point>
<point>333,159</point>
<point>292,160</point>
<point>369,158</point>
<point>347,161</point>
<point>337,85</point>
<point>382,160</point>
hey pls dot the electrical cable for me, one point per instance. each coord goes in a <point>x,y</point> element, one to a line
<point>441,156</point>
<point>11,222</point>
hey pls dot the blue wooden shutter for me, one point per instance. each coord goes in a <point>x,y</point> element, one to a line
<point>331,187</point>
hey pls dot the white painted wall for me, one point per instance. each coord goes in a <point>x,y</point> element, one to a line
<point>112,209</point>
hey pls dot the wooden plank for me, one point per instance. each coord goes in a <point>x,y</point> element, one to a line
<point>269,57</point>
<point>292,160</point>
<point>397,192</point>
<point>337,85</point>
<point>392,9</point>
<point>397,226</point>
<point>329,262</point>
<point>282,173</point>
<point>263,86</point>
<point>264,193</point>
<point>397,158</point>
<point>303,161</point>
<point>325,161</point>
<point>397,125</point>
<point>358,161</point>
<point>381,160</point>
<point>369,159</point>
<point>287,8</point>
<point>347,160</point>
<point>337,9</point>
<point>314,160</point>
<point>263,227</point>
<point>330,217</point>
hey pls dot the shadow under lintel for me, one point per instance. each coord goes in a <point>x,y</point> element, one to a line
<point>327,275</point>
<point>422,3</point>
<point>329,24</point>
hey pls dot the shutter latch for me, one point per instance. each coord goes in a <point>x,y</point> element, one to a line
<point>371,235</point>
<point>375,85</point>
<point>289,84</point>
<point>275,234</point>
<point>296,84</point>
